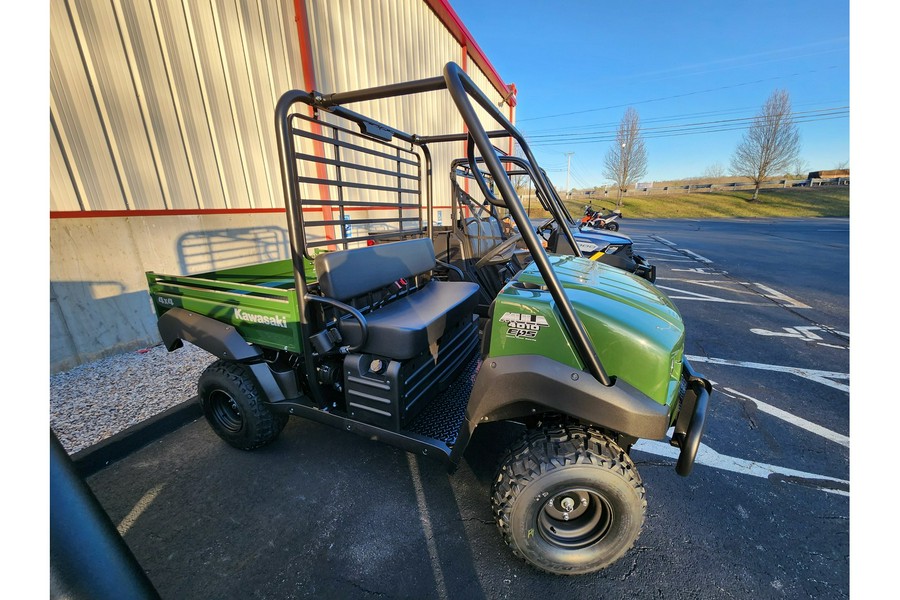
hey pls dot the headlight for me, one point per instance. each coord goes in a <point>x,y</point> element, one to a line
<point>612,249</point>
<point>588,246</point>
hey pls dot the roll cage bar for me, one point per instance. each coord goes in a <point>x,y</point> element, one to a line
<point>463,91</point>
<point>548,198</point>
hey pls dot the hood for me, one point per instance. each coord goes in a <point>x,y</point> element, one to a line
<point>600,237</point>
<point>636,330</point>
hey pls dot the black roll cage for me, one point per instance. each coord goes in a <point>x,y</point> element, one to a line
<point>462,90</point>
<point>548,197</point>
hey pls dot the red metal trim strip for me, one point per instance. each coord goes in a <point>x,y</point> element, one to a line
<point>309,81</point>
<point>196,212</point>
<point>451,20</point>
<point>465,68</point>
<point>112,214</point>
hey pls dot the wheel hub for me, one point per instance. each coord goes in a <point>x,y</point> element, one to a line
<point>226,411</point>
<point>575,519</point>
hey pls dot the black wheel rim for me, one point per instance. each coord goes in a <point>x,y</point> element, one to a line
<point>225,411</point>
<point>575,519</point>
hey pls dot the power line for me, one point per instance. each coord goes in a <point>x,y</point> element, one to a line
<point>795,114</point>
<point>599,140</point>
<point>676,117</point>
<point>679,130</point>
<point>674,96</point>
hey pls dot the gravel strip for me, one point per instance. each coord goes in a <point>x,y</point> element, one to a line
<point>97,400</point>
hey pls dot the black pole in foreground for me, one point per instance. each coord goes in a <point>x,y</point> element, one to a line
<point>88,557</point>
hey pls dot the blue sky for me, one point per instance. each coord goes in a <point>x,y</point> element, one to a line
<point>692,70</point>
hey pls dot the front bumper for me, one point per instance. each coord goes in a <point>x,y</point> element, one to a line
<point>627,261</point>
<point>645,270</point>
<point>691,421</point>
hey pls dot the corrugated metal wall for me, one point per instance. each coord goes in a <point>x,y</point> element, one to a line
<point>164,105</point>
<point>167,104</point>
<point>379,43</point>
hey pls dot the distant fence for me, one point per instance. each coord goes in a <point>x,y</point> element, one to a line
<point>708,187</point>
<point>734,185</point>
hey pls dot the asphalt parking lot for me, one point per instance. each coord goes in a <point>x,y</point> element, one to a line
<point>765,514</point>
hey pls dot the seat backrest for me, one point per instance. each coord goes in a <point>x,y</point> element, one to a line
<point>483,234</point>
<point>346,274</point>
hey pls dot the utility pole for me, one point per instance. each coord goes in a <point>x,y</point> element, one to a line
<point>568,168</point>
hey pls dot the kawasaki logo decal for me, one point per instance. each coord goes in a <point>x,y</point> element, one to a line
<point>523,327</point>
<point>262,319</point>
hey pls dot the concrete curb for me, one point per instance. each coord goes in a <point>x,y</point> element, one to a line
<point>99,456</point>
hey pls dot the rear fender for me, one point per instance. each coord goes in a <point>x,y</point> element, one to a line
<point>178,325</point>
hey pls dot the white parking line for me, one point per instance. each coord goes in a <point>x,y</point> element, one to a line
<point>139,508</point>
<point>663,250</point>
<point>667,258</point>
<point>697,256</point>
<point>735,287</point>
<point>823,377</point>
<point>708,457</point>
<point>775,295</point>
<point>425,519</point>
<point>698,271</point>
<point>776,412</point>
<point>697,296</point>
<point>804,333</point>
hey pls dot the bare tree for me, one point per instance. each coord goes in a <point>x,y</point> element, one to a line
<point>626,161</point>
<point>714,171</point>
<point>771,144</point>
<point>800,168</point>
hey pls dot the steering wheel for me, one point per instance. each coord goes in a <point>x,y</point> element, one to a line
<point>496,254</point>
<point>545,229</point>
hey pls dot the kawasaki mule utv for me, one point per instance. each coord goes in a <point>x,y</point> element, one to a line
<point>356,332</point>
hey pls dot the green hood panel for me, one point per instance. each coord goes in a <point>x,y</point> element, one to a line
<point>636,330</point>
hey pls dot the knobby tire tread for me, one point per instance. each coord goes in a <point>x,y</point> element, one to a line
<point>268,425</point>
<point>545,450</point>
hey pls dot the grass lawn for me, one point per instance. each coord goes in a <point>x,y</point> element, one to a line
<point>828,201</point>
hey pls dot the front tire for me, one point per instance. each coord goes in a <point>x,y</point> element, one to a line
<point>612,226</point>
<point>234,406</point>
<point>568,500</point>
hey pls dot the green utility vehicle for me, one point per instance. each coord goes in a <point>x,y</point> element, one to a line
<point>358,331</point>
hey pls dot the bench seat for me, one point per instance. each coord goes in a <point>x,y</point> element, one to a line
<point>407,326</point>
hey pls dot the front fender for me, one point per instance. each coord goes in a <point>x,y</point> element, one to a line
<point>514,387</point>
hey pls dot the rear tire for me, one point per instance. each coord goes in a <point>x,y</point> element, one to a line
<point>568,500</point>
<point>234,406</point>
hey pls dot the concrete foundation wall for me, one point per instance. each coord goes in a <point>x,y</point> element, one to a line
<point>99,304</point>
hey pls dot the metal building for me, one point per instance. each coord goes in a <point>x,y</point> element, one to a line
<point>162,147</point>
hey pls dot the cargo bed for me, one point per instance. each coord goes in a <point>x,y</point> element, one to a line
<point>259,300</point>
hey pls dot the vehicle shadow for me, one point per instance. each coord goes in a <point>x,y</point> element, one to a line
<point>201,251</point>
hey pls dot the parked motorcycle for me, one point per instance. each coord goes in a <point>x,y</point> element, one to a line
<point>597,220</point>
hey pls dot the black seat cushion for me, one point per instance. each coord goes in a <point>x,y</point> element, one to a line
<point>345,274</point>
<point>407,326</point>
